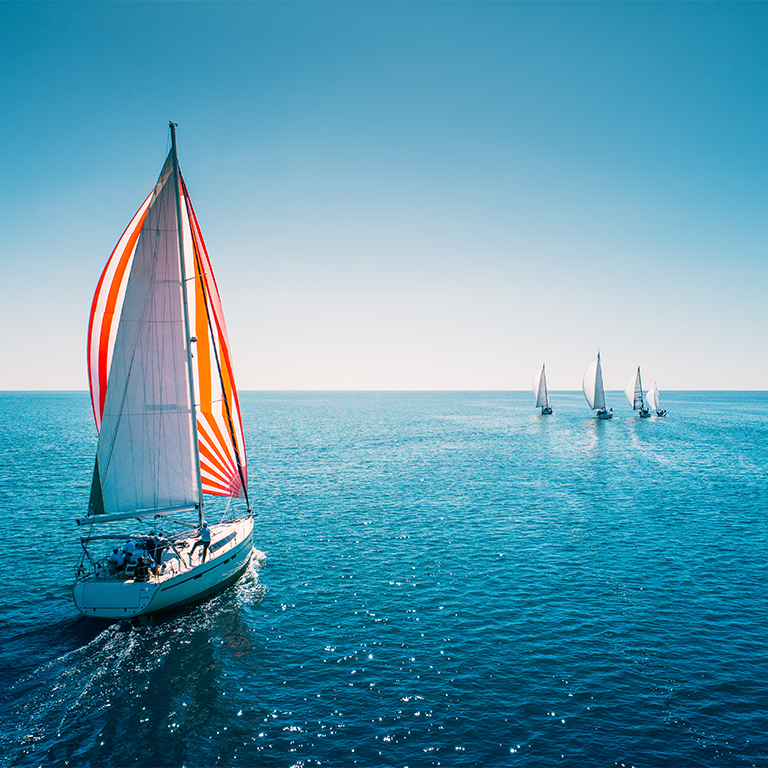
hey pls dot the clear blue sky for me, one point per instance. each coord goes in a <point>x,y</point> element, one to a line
<point>402,195</point>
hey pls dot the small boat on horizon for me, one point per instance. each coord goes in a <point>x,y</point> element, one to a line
<point>168,416</point>
<point>634,393</point>
<point>592,385</point>
<point>540,390</point>
<point>652,398</point>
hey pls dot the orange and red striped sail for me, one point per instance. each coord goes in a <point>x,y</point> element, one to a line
<point>221,445</point>
<point>219,423</point>
<point>106,307</point>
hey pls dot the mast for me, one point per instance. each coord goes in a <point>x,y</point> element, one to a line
<point>195,439</point>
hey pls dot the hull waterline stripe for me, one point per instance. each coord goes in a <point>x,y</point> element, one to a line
<point>208,570</point>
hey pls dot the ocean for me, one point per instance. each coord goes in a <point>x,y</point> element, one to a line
<point>446,579</point>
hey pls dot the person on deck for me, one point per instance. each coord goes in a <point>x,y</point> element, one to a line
<point>116,562</point>
<point>204,541</point>
<point>161,544</point>
<point>142,570</point>
<point>128,549</point>
<point>150,545</point>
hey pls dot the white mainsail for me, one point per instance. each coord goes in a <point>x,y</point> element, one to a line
<point>634,391</point>
<point>540,389</point>
<point>652,398</point>
<point>146,455</point>
<point>592,385</point>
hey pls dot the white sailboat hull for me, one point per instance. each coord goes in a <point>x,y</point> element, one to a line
<point>110,598</point>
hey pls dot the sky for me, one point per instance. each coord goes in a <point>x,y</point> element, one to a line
<point>402,195</point>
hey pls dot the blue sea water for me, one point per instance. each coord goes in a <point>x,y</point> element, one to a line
<point>448,579</point>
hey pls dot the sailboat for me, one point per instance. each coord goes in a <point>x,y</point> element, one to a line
<point>652,398</point>
<point>540,390</point>
<point>592,384</point>
<point>168,417</point>
<point>634,393</point>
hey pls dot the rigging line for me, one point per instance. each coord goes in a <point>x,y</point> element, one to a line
<point>230,424</point>
<point>226,509</point>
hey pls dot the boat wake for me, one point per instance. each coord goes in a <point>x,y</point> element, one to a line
<point>53,696</point>
<point>67,708</point>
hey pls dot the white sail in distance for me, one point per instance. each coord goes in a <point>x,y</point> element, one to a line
<point>652,398</point>
<point>540,389</point>
<point>592,385</point>
<point>634,391</point>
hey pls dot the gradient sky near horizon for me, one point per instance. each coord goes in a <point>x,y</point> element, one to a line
<point>402,195</point>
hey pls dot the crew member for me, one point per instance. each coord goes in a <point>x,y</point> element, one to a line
<point>204,541</point>
<point>116,562</point>
<point>141,573</point>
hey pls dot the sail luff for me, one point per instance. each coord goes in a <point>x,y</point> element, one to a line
<point>185,301</point>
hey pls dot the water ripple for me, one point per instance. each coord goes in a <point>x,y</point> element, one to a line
<point>445,579</point>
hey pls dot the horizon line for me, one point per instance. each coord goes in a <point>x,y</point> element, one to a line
<point>552,391</point>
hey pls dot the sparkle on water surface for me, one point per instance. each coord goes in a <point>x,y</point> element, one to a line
<point>447,579</point>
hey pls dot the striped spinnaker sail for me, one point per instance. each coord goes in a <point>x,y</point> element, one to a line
<point>219,426</point>
<point>106,308</point>
<point>219,423</point>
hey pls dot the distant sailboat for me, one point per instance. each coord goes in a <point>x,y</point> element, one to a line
<point>652,398</point>
<point>540,390</point>
<point>634,393</point>
<point>592,384</point>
